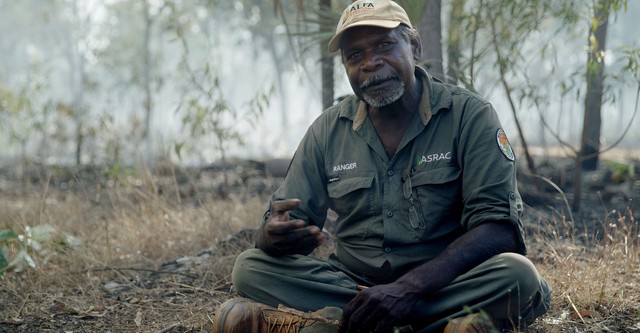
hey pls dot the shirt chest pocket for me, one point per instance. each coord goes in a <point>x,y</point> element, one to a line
<point>437,193</point>
<point>352,196</point>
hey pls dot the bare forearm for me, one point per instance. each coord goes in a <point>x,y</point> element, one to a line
<point>468,251</point>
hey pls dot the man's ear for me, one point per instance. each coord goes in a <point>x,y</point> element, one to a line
<point>416,47</point>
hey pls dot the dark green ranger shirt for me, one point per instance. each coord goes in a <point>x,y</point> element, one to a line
<point>454,169</point>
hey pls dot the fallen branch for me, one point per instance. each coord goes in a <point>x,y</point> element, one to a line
<point>137,269</point>
<point>169,328</point>
<point>188,287</point>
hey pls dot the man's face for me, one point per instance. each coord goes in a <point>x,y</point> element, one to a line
<point>379,63</point>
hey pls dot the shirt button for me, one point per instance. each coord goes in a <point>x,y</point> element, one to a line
<point>389,213</point>
<point>387,249</point>
<point>390,172</point>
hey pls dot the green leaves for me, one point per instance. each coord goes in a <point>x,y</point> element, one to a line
<point>19,252</point>
<point>632,61</point>
<point>6,236</point>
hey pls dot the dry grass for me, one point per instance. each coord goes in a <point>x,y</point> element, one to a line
<point>128,231</point>
<point>595,277</point>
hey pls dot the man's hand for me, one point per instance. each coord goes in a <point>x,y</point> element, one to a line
<point>280,235</point>
<point>379,308</point>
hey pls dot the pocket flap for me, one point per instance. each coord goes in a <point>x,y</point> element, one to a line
<point>435,176</point>
<point>340,188</point>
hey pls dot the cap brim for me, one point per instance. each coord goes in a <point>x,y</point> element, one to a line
<point>334,43</point>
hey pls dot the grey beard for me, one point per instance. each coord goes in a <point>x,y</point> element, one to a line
<point>383,97</point>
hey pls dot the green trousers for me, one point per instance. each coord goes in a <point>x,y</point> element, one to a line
<point>507,287</point>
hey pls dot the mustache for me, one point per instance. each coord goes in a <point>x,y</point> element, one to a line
<point>378,79</point>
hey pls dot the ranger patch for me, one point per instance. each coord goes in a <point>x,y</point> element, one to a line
<point>504,145</point>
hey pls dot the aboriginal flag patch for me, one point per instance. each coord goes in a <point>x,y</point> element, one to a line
<point>504,145</point>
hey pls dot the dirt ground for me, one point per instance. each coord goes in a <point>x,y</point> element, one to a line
<point>166,279</point>
<point>142,300</point>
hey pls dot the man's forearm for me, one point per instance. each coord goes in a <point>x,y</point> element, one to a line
<point>465,253</point>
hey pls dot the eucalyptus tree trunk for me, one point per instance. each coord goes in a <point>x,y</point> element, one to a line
<point>326,61</point>
<point>453,41</point>
<point>590,143</point>
<point>431,35</point>
<point>588,156</point>
<point>278,60</point>
<point>78,70</point>
<point>146,60</point>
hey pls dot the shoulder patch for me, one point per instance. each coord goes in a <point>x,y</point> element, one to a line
<point>504,145</point>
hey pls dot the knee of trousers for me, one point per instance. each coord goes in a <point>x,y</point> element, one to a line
<point>246,269</point>
<point>519,275</point>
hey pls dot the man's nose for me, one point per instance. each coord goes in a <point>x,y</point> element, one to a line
<point>371,62</point>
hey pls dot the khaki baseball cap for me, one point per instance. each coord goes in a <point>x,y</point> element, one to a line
<point>377,13</point>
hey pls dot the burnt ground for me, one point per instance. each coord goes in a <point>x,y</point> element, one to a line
<point>181,294</point>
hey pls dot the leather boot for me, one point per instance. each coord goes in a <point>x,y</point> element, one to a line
<point>472,323</point>
<point>241,315</point>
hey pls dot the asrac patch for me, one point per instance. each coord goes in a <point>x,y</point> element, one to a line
<point>505,145</point>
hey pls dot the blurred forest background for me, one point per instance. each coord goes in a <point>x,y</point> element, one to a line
<point>140,140</point>
<point>111,83</point>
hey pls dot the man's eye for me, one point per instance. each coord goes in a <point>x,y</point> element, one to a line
<point>353,55</point>
<point>383,45</point>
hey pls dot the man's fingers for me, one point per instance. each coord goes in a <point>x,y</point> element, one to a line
<point>282,206</point>
<point>295,229</point>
